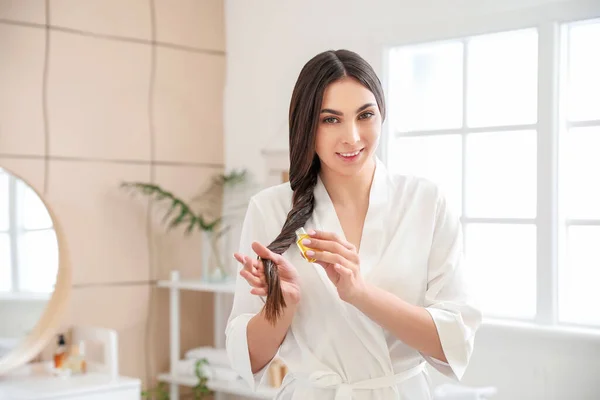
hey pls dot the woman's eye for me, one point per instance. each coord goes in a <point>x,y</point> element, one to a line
<point>330,120</point>
<point>366,115</point>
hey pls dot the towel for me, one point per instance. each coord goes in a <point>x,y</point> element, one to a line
<point>188,368</point>
<point>215,357</point>
<point>450,391</point>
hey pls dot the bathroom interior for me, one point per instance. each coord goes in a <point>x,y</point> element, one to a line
<point>114,113</point>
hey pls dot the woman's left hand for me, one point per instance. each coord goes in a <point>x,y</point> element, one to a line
<point>340,260</point>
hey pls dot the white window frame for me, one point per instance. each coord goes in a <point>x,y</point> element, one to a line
<point>15,231</point>
<point>548,20</point>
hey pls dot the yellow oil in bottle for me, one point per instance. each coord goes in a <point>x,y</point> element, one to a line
<point>301,235</point>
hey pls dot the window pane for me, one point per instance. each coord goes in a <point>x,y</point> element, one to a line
<point>501,262</point>
<point>5,260</point>
<point>501,174</point>
<point>38,261</point>
<point>583,81</point>
<point>32,212</point>
<point>580,173</point>
<point>502,79</point>
<point>426,87</point>
<point>579,276</point>
<point>3,201</point>
<point>437,158</point>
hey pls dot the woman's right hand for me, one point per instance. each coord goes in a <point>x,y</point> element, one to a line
<point>253,273</point>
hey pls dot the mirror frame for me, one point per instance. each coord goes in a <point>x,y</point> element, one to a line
<point>47,326</point>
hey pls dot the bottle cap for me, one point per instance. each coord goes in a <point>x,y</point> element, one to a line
<point>61,340</point>
<point>300,231</point>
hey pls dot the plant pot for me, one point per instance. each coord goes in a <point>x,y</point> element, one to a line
<point>216,268</point>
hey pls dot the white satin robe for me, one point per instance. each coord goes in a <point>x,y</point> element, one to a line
<point>411,246</point>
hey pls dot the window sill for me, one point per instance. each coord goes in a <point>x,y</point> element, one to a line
<point>534,329</point>
<point>24,296</point>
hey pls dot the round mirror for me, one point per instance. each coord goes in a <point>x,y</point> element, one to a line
<point>29,272</point>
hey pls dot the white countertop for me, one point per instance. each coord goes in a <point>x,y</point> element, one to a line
<point>38,383</point>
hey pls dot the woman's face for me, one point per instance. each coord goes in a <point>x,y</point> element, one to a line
<point>349,127</point>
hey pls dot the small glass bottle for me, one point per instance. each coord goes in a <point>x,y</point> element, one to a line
<point>76,360</point>
<point>60,355</point>
<point>301,235</point>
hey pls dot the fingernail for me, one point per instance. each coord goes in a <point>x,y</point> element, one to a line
<point>310,253</point>
<point>312,232</point>
<point>306,241</point>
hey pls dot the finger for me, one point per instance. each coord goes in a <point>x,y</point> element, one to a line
<point>260,269</point>
<point>333,258</point>
<point>239,257</point>
<point>331,272</point>
<point>331,236</point>
<point>251,279</point>
<point>242,259</point>
<point>260,266</point>
<point>249,265</point>
<point>259,292</point>
<point>325,256</point>
<point>264,252</point>
<point>252,265</point>
<point>343,271</point>
<point>330,246</point>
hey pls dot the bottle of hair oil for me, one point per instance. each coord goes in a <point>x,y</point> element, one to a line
<point>301,235</point>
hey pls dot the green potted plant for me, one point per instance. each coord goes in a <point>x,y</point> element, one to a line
<point>199,391</point>
<point>210,220</point>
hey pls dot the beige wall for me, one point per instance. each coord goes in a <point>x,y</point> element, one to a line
<point>88,99</point>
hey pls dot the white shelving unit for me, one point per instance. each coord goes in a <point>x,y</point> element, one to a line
<point>175,285</point>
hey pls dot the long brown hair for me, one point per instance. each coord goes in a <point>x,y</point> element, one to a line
<point>305,107</point>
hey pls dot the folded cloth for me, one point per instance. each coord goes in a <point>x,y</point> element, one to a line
<point>215,357</point>
<point>449,391</point>
<point>187,367</point>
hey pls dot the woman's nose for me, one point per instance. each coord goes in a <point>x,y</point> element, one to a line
<point>351,134</point>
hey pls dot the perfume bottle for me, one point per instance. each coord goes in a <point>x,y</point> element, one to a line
<point>60,354</point>
<point>76,360</point>
<point>301,235</point>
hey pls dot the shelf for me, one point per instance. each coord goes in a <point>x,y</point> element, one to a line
<point>198,285</point>
<point>238,387</point>
<point>25,296</point>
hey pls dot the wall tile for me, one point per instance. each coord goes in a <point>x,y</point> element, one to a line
<point>122,308</point>
<point>98,98</point>
<point>21,79</point>
<point>188,106</point>
<point>198,24</point>
<point>30,170</point>
<point>111,17</point>
<point>23,11</point>
<point>105,226</point>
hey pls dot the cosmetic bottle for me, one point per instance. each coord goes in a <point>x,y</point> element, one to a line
<point>60,354</point>
<point>301,235</point>
<point>76,361</point>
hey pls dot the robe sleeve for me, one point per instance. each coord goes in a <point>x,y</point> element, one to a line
<point>447,299</point>
<point>245,304</point>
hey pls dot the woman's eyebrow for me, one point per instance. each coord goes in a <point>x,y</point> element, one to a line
<point>335,112</point>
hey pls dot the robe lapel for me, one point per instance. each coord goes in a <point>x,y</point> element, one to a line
<point>373,240</point>
<point>372,243</point>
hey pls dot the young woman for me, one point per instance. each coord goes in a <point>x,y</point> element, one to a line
<point>385,294</point>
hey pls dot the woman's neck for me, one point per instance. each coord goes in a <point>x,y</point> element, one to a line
<point>349,190</point>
